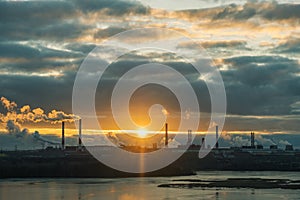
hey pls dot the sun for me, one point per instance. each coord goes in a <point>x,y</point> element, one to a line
<point>142,133</point>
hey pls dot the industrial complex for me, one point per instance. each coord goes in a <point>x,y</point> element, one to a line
<point>75,161</point>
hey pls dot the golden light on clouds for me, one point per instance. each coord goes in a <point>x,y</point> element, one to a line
<point>235,35</point>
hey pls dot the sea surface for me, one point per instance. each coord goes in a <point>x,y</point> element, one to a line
<point>143,188</point>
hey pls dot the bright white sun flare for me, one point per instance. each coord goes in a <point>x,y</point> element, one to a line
<point>142,133</point>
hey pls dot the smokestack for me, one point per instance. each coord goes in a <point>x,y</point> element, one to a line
<point>189,141</point>
<point>203,143</point>
<point>217,136</point>
<point>79,134</point>
<point>252,139</point>
<point>63,135</point>
<point>166,135</point>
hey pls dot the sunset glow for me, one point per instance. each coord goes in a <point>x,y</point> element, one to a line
<point>142,133</point>
<point>254,44</point>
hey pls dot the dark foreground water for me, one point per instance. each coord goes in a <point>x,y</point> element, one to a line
<point>143,188</point>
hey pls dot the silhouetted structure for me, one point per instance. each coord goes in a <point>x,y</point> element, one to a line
<point>63,135</point>
<point>217,136</point>
<point>166,135</point>
<point>79,134</point>
<point>203,143</point>
<point>189,141</point>
<point>252,140</point>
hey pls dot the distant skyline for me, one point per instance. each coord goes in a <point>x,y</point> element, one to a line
<point>254,44</point>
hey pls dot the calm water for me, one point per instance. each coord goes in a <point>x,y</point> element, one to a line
<point>141,188</point>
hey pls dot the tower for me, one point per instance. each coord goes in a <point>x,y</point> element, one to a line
<point>189,141</point>
<point>166,135</point>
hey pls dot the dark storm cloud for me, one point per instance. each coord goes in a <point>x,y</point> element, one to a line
<point>261,85</point>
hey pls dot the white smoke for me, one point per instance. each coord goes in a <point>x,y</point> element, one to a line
<point>240,141</point>
<point>37,136</point>
<point>226,136</point>
<point>263,140</point>
<point>11,127</point>
<point>284,142</point>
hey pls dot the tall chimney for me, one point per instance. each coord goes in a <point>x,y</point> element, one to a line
<point>79,134</point>
<point>166,135</point>
<point>217,136</point>
<point>189,141</point>
<point>63,135</point>
<point>252,139</point>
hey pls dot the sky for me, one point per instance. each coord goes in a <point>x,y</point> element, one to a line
<point>254,44</point>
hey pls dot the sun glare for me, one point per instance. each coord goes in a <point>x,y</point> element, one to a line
<point>142,133</point>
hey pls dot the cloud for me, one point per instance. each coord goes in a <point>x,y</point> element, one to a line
<point>224,44</point>
<point>17,50</point>
<point>15,116</point>
<point>35,57</point>
<point>262,85</point>
<point>115,8</point>
<point>108,32</point>
<point>59,20</point>
<point>295,107</point>
<point>277,11</point>
<point>39,16</point>
<point>263,140</point>
<point>292,45</point>
<point>83,47</point>
<point>266,10</point>
<point>263,123</point>
<point>40,53</point>
<point>240,139</point>
<point>38,91</point>
<point>45,11</point>
<point>228,45</point>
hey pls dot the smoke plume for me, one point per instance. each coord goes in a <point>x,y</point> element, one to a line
<point>15,116</point>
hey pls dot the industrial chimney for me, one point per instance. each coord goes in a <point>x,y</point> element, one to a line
<point>166,135</point>
<point>189,141</point>
<point>79,134</point>
<point>252,139</point>
<point>217,136</point>
<point>203,143</point>
<point>63,135</point>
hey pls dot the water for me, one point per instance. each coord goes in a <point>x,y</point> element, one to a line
<point>142,188</point>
